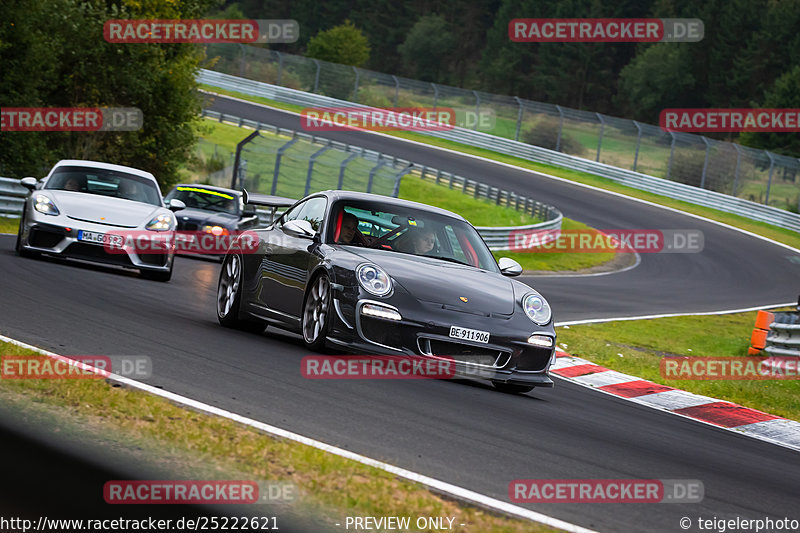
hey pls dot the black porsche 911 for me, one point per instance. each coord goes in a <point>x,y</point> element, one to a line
<point>372,274</point>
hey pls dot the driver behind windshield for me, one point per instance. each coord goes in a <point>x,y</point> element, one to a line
<point>347,235</point>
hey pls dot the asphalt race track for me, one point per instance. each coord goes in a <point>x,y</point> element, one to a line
<point>460,432</point>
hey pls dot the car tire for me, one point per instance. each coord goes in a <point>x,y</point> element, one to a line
<point>229,297</point>
<point>510,388</point>
<point>317,309</point>
<point>22,252</point>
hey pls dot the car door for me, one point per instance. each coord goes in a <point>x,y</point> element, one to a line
<point>286,263</point>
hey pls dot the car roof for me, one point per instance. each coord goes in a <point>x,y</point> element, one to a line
<point>210,188</point>
<point>336,195</point>
<point>104,166</point>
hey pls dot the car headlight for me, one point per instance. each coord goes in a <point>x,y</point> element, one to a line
<point>45,205</point>
<point>216,230</point>
<point>537,309</point>
<point>162,222</point>
<point>373,279</point>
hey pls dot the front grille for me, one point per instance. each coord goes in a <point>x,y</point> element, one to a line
<point>153,259</point>
<point>94,252</point>
<point>534,359</point>
<point>380,331</point>
<point>44,239</point>
<point>187,226</point>
<point>479,355</point>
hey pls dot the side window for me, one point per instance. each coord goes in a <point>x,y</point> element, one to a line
<point>314,212</point>
<point>293,213</point>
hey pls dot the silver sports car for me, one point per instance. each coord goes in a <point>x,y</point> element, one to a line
<point>81,209</point>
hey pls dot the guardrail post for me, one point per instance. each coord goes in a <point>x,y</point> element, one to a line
<point>396,89</point>
<point>311,161</point>
<point>736,173</point>
<point>238,156</point>
<point>435,95</point>
<point>769,180</point>
<point>477,109</point>
<point>519,117</point>
<point>560,127</point>
<point>316,76</point>
<point>355,87</point>
<point>280,67</point>
<point>278,156</point>
<point>600,137</point>
<point>638,143</point>
<point>705,162</point>
<point>372,172</point>
<point>342,168</point>
<point>671,154</point>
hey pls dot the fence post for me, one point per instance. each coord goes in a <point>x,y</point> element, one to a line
<point>769,180</point>
<point>477,109</point>
<point>638,143</point>
<point>372,172</point>
<point>705,162</point>
<point>435,95</point>
<point>600,137</point>
<point>560,127</point>
<point>736,173</point>
<point>671,154</point>
<point>396,189</point>
<point>519,117</point>
<point>311,161</point>
<point>275,174</point>
<point>238,156</point>
<point>342,167</point>
<point>355,87</point>
<point>316,76</point>
<point>396,89</point>
<point>280,67</point>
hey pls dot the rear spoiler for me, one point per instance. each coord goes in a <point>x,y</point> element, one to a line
<point>266,200</point>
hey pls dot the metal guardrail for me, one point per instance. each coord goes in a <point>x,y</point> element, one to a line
<point>679,191</point>
<point>12,197</point>
<point>497,238</point>
<point>783,338</point>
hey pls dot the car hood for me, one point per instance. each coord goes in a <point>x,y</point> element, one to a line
<point>103,209</point>
<point>441,282</point>
<point>202,217</point>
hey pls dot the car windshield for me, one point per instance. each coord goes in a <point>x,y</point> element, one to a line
<point>409,231</point>
<point>102,182</point>
<point>198,197</point>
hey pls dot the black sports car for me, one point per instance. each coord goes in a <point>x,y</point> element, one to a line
<point>210,210</point>
<point>372,274</point>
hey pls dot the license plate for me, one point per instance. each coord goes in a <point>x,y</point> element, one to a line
<point>469,334</point>
<point>100,238</point>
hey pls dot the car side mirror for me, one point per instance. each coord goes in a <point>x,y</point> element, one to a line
<point>509,267</point>
<point>176,205</point>
<point>301,228</point>
<point>29,183</point>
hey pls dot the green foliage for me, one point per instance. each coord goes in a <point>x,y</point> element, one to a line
<point>54,55</point>
<point>343,44</point>
<point>544,133</point>
<point>427,48</point>
<point>785,93</point>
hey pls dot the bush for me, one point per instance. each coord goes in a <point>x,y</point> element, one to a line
<point>544,133</point>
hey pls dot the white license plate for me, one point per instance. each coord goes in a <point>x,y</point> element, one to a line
<point>100,238</point>
<point>469,334</point>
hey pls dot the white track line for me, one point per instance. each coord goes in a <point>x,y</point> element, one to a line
<point>435,484</point>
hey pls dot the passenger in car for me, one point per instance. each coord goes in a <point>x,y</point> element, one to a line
<point>420,241</point>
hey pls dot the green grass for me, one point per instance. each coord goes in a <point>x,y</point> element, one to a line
<point>636,347</point>
<point>785,236</point>
<point>140,428</point>
<point>9,225</point>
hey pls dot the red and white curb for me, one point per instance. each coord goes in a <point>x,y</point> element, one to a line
<point>726,415</point>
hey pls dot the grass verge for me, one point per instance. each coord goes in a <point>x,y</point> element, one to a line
<point>193,445</point>
<point>9,225</point>
<point>785,236</point>
<point>636,347</point>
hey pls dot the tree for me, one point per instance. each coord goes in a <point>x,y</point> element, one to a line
<point>428,46</point>
<point>54,55</point>
<point>344,44</point>
<point>785,94</point>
